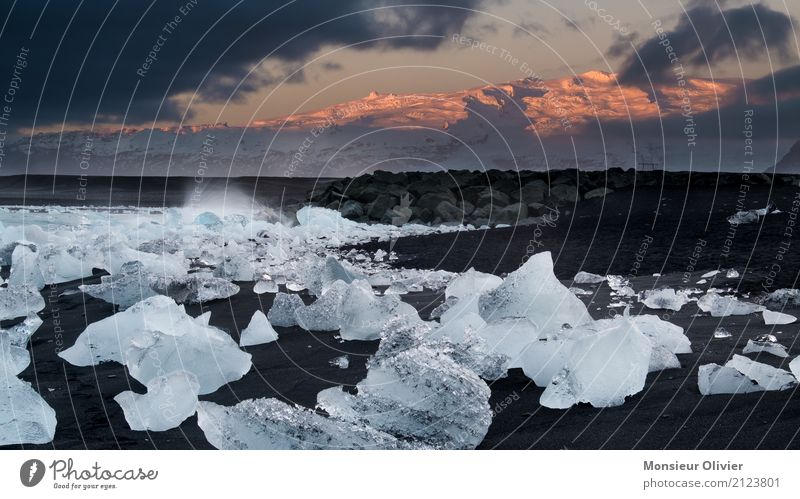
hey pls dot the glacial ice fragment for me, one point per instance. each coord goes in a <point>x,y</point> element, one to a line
<point>533,291</point>
<point>779,318</point>
<point>602,369</point>
<point>713,379</point>
<point>759,346</point>
<point>268,423</point>
<point>19,334</point>
<point>198,287</point>
<point>588,278</point>
<point>721,332</point>
<point>265,286</point>
<point>131,285</point>
<point>544,359</point>
<point>767,377</point>
<point>325,313</point>
<point>723,306</point>
<point>509,337</point>
<point>282,312</point>
<point>342,362</point>
<point>420,394</point>
<point>169,401</point>
<point>258,331</point>
<point>472,282</point>
<point>157,336</point>
<point>668,299</point>
<point>25,269</point>
<point>363,315</point>
<point>19,301</point>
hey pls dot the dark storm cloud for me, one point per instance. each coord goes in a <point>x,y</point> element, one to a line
<point>708,35</point>
<point>101,47</point>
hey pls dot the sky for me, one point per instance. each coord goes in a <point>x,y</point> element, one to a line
<point>137,63</point>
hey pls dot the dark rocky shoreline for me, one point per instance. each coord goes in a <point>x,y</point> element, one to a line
<point>503,197</point>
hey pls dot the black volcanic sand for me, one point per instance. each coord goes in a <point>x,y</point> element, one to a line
<point>633,232</point>
<point>669,413</point>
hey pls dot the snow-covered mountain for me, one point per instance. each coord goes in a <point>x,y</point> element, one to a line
<point>526,124</point>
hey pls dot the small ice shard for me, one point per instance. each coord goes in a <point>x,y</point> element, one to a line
<point>208,220</point>
<point>258,332</point>
<point>702,281</point>
<point>320,277</point>
<point>533,292</point>
<point>750,216</point>
<point>269,424</point>
<point>131,285</point>
<point>283,310</point>
<point>580,292</point>
<point>363,315</point>
<point>342,362</point>
<point>19,301</point>
<point>620,286</point>
<point>603,368</point>
<point>325,313</point>
<point>199,287</point>
<point>472,282</point>
<point>588,278</point>
<point>713,379</point>
<point>396,288</point>
<point>768,377</point>
<point>779,318</point>
<point>766,338</point>
<point>721,332</point>
<point>709,274</point>
<point>667,298</point>
<point>759,346</point>
<point>25,269</point>
<point>723,306</point>
<point>265,286</point>
<point>782,298</point>
<point>544,359</point>
<point>169,401</point>
<point>379,256</point>
<point>732,274</point>
<point>236,267</point>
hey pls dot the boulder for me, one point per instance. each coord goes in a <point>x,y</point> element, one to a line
<point>493,197</point>
<point>565,193</point>
<point>448,212</point>
<point>598,193</point>
<point>510,214</point>
<point>381,206</point>
<point>533,192</point>
<point>350,209</point>
<point>432,199</point>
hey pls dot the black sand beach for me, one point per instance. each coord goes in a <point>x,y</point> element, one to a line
<point>602,235</point>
